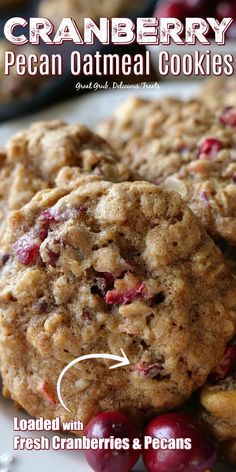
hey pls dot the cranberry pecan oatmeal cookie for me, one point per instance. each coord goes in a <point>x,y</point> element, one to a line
<point>219,92</point>
<point>130,118</point>
<point>104,267</point>
<point>33,158</point>
<point>218,399</point>
<point>197,158</point>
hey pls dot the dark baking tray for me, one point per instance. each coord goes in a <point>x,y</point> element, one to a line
<point>58,88</point>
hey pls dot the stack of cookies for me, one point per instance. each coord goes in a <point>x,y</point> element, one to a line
<point>190,148</point>
<point>124,243</point>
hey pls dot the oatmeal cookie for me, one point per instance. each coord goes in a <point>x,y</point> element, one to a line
<point>129,119</point>
<point>218,399</point>
<point>103,268</point>
<point>195,157</point>
<point>80,9</point>
<point>33,158</point>
<point>219,92</point>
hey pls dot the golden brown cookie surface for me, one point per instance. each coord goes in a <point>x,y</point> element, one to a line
<point>34,157</point>
<point>105,267</point>
<point>194,156</point>
<point>218,399</point>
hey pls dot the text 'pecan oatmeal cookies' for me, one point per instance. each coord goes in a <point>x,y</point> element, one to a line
<point>34,157</point>
<point>218,399</point>
<point>196,157</point>
<point>105,267</point>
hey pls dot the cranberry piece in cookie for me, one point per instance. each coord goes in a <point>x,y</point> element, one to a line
<point>135,272</point>
<point>53,154</point>
<point>125,290</point>
<point>209,149</point>
<point>227,365</point>
<point>228,116</point>
<point>26,248</point>
<point>149,370</point>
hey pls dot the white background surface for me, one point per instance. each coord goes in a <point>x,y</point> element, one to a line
<point>87,110</point>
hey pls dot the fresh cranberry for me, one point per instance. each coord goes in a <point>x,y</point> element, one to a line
<point>120,426</point>
<point>201,456</point>
<point>26,248</point>
<point>48,216</point>
<point>227,365</point>
<point>48,393</point>
<point>54,216</point>
<point>116,297</point>
<point>42,233</point>
<point>148,370</point>
<point>228,116</point>
<point>209,148</point>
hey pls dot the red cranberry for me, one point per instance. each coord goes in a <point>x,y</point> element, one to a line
<point>115,297</point>
<point>148,370</point>
<point>48,393</point>
<point>209,148</point>
<point>226,366</point>
<point>49,216</point>
<point>54,216</point>
<point>106,425</point>
<point>199,458</point>
<point>26,248</point>
<point>228,116</point>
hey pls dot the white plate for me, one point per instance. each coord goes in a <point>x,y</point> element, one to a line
<point>88,110</point>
